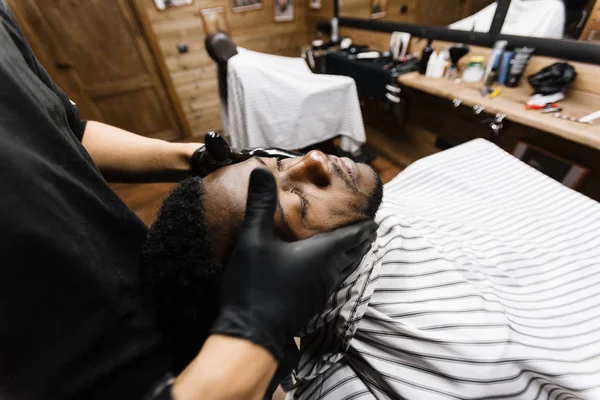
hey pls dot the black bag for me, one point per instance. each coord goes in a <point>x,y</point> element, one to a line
<point>553,78</point>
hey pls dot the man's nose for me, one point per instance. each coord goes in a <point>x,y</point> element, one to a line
<point>313,168</point>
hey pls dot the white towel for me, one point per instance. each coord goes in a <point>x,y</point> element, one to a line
<point>277,101</point>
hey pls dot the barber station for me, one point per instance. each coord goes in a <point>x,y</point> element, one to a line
<point>300,199</point>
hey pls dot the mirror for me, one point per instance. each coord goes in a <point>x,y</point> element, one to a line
<point>554,19</point>
<point>550,19</point>
<point>423,12</point>
<point>567,29</point>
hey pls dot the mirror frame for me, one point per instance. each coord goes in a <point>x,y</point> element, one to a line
<point>572,50</point>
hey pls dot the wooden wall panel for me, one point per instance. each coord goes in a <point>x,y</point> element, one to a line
<point>314,16</point>
<point>194,74</point>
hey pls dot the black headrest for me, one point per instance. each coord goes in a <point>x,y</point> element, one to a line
<point>220,47</point>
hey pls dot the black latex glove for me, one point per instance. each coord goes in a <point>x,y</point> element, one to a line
<point>217,153</point>
<point>272,288</point>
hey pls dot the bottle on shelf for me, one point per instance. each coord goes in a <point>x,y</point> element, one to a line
<point>425,55</point>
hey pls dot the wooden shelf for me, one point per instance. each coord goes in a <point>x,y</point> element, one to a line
<point>512,103</point>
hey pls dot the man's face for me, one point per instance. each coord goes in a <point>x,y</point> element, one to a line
<point>317,193</point>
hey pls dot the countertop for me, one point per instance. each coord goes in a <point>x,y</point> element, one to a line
<point>511,102</point>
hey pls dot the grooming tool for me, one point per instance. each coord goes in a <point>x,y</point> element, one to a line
<point>399,44</point>
<point>217,153</point>
<point>590,117</point>
<point>507,56</point>
<point>474,71</point>
<point>425,55</point>
<point>495,57</point>
<point>518,65</point>
<point>456,52</point>
<point>552,109</point>
<point>345,43</point>
<point>395,46</point>
<point>496,92</point>
<point>537,106</point>
<point>368,55</point>
<point>542,100</point>
<point>572,119</point>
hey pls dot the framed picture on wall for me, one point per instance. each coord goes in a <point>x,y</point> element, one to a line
<point>558,168</point>
<point>215,19</point>
<point>246,5</point>
<point>379,9</point>
<point>163,4</point>
<point>314,4</point>
<point>283,10</point>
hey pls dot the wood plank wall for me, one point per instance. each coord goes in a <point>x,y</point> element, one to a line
<point>194,74</point>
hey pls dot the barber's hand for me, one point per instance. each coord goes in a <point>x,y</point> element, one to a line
<point>272,288</point>
<point>217,153</point>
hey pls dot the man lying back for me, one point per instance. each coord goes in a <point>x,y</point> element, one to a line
<point>483,283</point>
<point>317,193</point>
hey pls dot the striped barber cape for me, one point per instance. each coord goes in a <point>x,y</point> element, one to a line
<point>484,283</point>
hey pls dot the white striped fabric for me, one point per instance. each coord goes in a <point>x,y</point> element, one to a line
<point>484,283</point>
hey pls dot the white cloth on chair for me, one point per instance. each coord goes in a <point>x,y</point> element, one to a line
<point>483,283</point>
<point>277,101</point>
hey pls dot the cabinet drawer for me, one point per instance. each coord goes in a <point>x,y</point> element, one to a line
<point>454,124</point>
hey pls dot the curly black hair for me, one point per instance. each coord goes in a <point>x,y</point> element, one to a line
<point>180,274</point>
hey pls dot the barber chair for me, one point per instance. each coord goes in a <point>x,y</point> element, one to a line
<point>576,14</point>
<point>221,49</point>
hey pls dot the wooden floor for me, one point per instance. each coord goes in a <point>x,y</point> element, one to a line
<point>394,154</point>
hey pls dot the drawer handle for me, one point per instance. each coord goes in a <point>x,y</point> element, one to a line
<point>392,98</point>
<point>393,89</point>
<point>478,109</point>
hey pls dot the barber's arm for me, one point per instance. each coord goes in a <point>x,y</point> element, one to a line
<point>226,368</point>
<point>123,156</point>
<point>271,289</point>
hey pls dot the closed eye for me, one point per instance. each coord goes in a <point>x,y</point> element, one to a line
<point>303,201</point>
